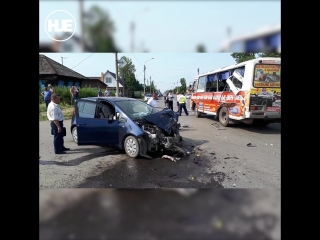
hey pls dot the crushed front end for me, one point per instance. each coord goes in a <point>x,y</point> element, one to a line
<point>161,132</point>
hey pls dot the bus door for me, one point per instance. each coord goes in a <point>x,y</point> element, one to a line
<point>231,96</point>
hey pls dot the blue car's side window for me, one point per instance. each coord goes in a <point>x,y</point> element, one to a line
<point>86,109</point>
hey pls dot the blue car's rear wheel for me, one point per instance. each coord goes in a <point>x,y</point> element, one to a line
<point>74,134</point>
<point>131,146</point>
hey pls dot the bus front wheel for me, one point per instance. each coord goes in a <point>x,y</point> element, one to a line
<point>197,113</point>
<point>224,116</point>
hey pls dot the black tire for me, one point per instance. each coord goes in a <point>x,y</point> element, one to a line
<point>224,116</point>
<point>197,113</point>
<point>74,135</point>
<point>131,146</point>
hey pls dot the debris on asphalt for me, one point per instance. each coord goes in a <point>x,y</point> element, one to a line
<point>217,126</point>
<point>173,159</point>
<point>199,149</point>
<point>213,153</point>
<point>231,157</point>
<point>184,124</point>
<point>172,175</point>
<point>271,144</point>
<point>198,155</point>
<point>251,145</point>
<point>234,185</point>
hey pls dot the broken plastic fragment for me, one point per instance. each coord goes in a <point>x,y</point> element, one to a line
<point>234,185</point>
<point>198,155</point>
<point>169,157</point>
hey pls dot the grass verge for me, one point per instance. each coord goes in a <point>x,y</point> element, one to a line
<point>66,109</point>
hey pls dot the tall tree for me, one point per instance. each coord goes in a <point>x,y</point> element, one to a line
<point>127,73</point>
<point>99,29</point>
<point>269,54</point>
<point>242,57</point>
<point>183,87</point>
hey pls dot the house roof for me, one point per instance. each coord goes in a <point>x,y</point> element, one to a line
<point>114,76</point>
<point>49,66</point>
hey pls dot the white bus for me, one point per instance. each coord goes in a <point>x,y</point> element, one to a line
<point>249,92</point>
<point>264,40</point>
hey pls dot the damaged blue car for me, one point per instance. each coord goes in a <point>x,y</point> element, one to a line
<point>126,123</point>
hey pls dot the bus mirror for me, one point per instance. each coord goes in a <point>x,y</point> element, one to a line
<point>237,75</point>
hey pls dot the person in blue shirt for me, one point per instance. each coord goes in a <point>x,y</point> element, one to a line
<point>46,96</point>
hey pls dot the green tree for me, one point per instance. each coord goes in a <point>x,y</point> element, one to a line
<point>242,57</point>
<point>269,54</point>
<point>99,29</point>
<point>127,73</point>
<point>183,87</point>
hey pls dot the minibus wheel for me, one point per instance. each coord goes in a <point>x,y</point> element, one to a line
<point>224,116</point>
<point>197,114</point>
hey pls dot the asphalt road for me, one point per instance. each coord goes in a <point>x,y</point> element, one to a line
<point>222,214</point>
<point>219,159</point>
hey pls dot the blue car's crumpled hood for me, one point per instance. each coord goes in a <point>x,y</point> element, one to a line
<point>165,119</point>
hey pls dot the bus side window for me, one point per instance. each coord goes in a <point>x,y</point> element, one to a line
<point>226,87</point>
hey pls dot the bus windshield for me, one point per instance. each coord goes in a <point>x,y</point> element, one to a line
<point>267,75</point>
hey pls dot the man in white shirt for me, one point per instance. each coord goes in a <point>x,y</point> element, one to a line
<point>55,115</point>
<point>152,101</point>
<point>178,98</point>
<point>170,98</point>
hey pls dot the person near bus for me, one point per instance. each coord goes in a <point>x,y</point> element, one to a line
<point>170,100</point>
<point>178,97</point>
<point>182,104</point>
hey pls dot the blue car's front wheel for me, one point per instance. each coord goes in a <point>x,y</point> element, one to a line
<point>131,146</point>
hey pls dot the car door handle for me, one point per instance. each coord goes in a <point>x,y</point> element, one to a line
<point>81,124</point>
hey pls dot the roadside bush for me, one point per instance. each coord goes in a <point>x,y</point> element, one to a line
<point>65,96</point>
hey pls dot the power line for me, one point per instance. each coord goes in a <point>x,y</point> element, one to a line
<point>135,58</point>
<point>82,61</point>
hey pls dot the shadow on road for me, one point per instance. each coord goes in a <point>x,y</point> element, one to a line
<point>273,128</point>
<point>94,153</point>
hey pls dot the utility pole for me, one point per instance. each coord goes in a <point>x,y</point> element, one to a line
<point>117,80</point>
<point>198,71</point>
<point>144,76</point>
<point>144,79</point>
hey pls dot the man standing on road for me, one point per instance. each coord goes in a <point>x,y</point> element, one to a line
<point>170,100</point>
<point>56,118</point>
<point>178,98</point>
<point>182,104</point>
<point>152,101</point>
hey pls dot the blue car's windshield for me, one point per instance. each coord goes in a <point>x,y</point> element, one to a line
<point>136,109</point>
